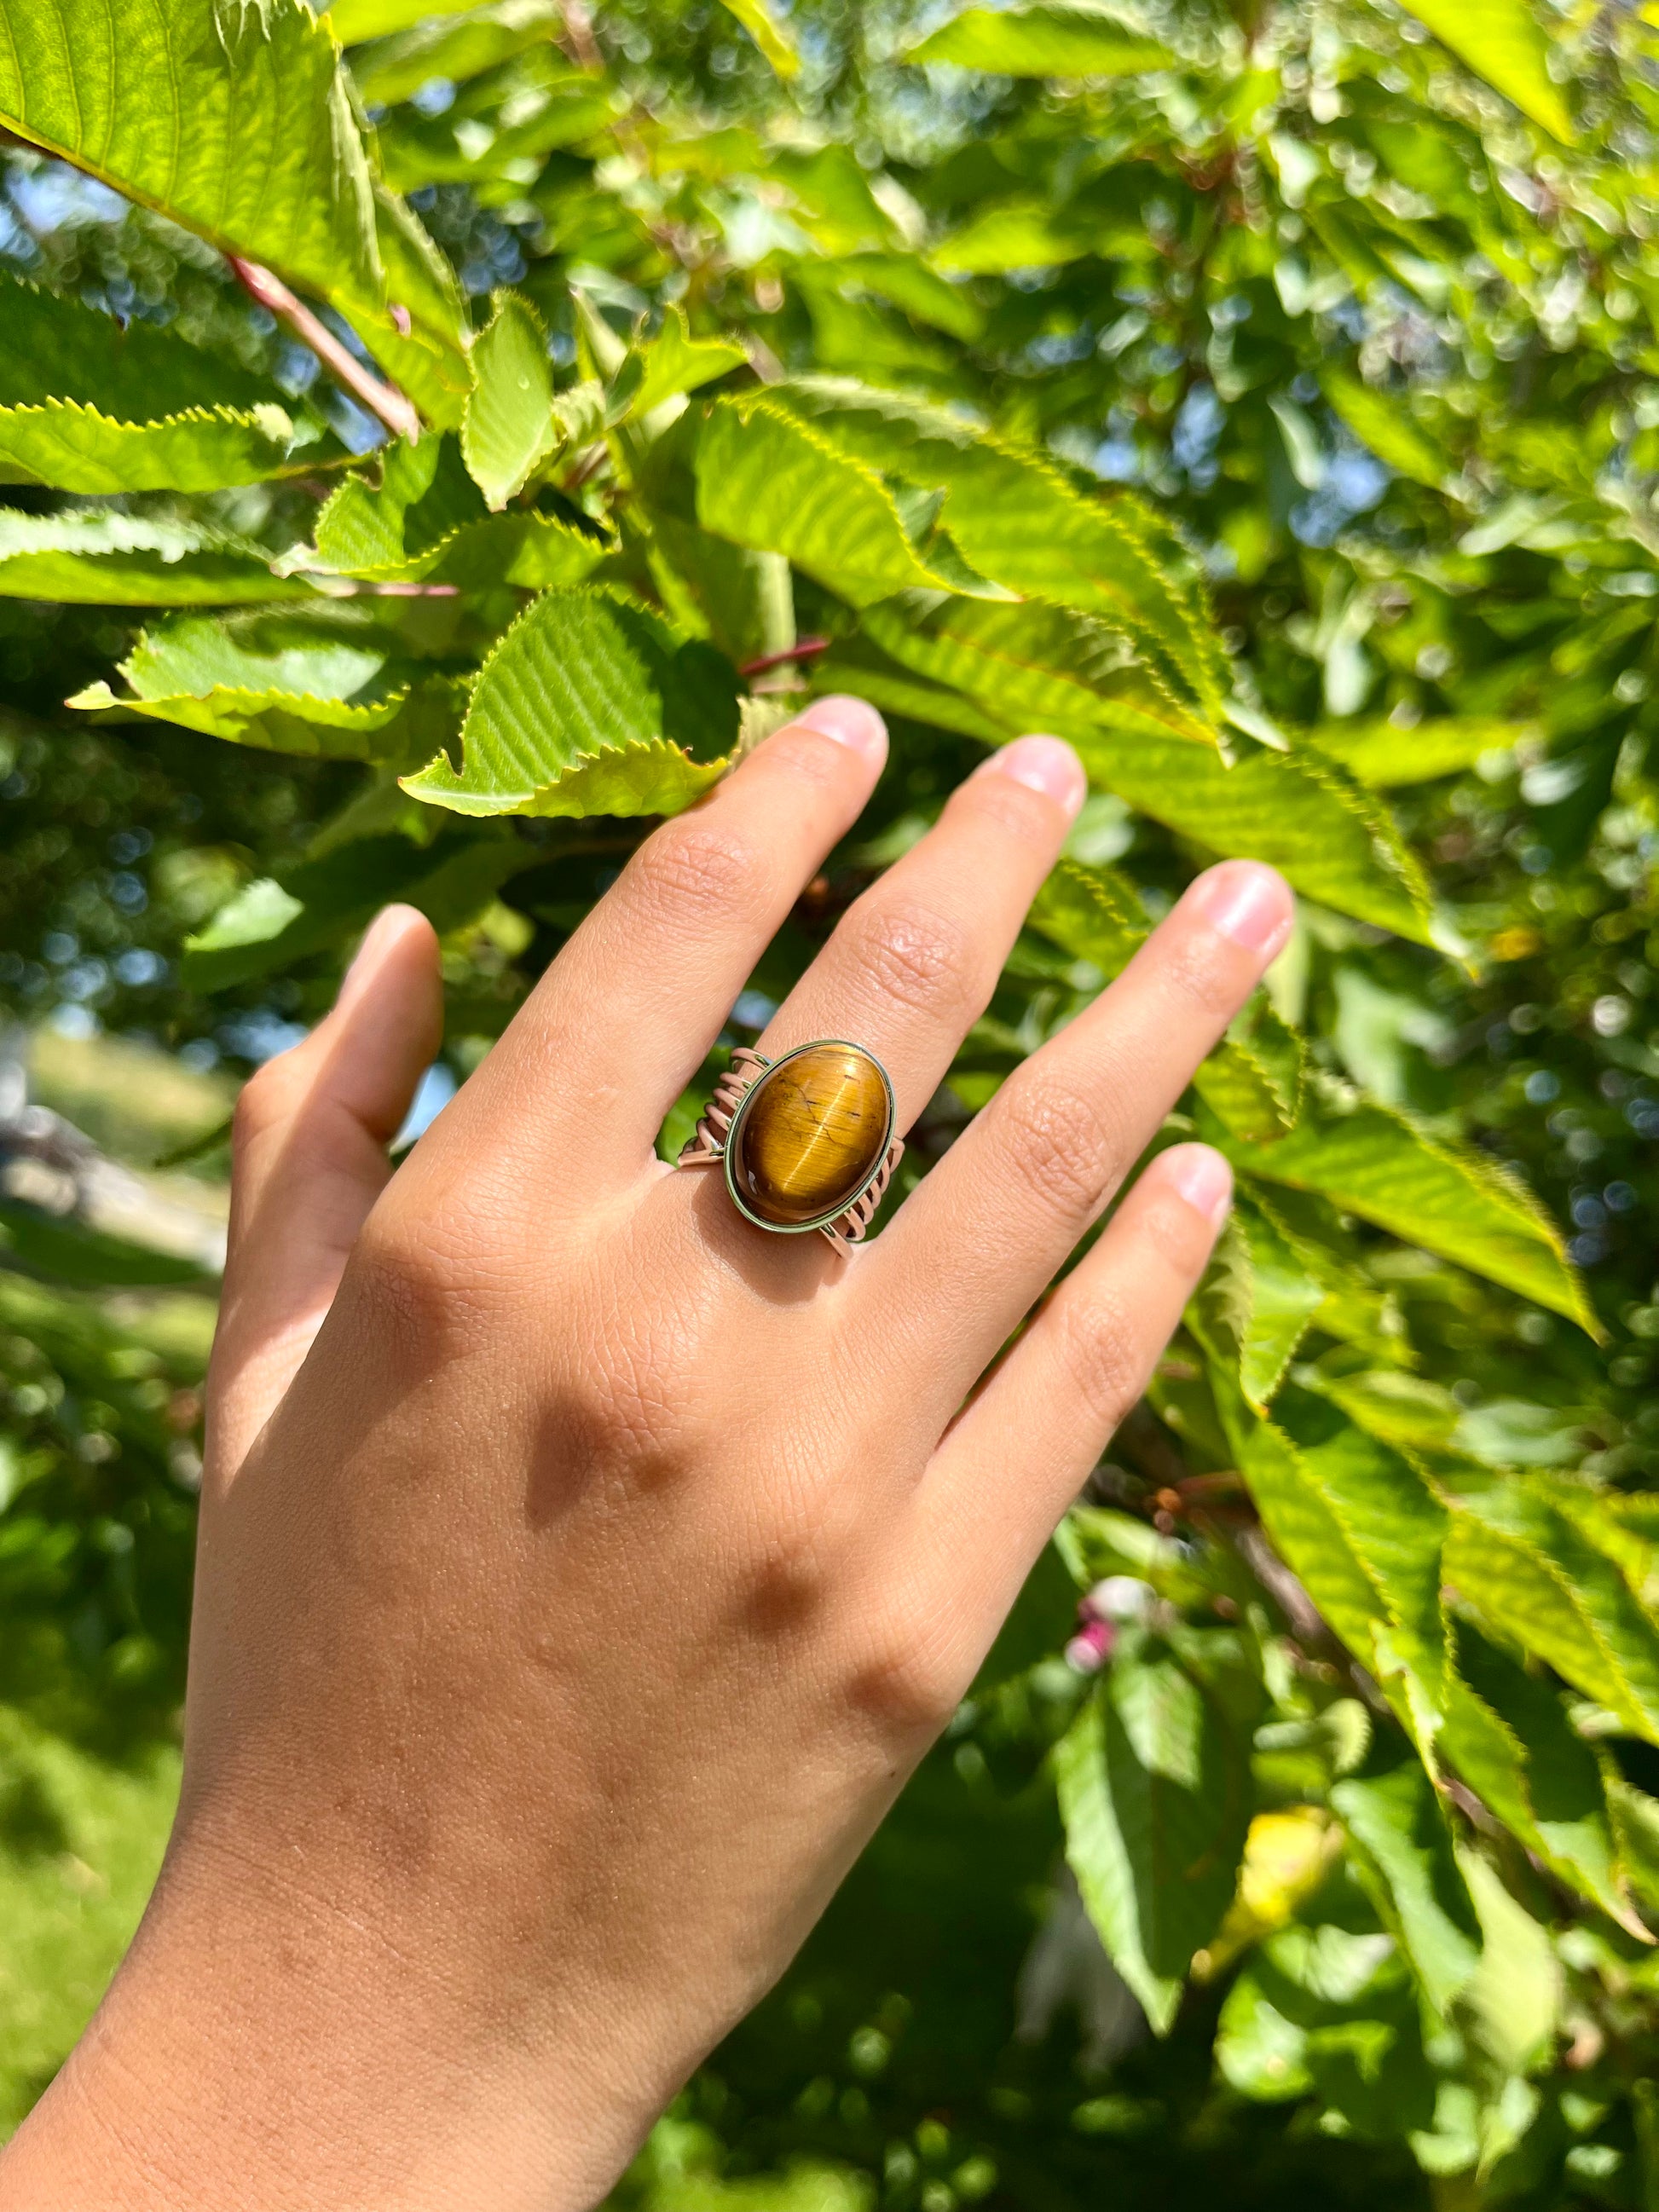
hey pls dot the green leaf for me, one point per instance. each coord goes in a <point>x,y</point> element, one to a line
<point>1295,811</point>
<point>673,362</point>
<point>1332,2011</point>
<point>1043,41</point>
<point>423,495</point>
<point>1396,1821</point>
<point>1093,913</point>
<point>1384,425</point>
<point>1382,757</point>
<point>833,199</point>
<point>1403,1410</point>
<point>858,667</point>
<point>1431,1192</point>
<point>426,520</point>
<point>1253,1083</point>
<point>1526,1568</point>
<point>268,926</point>
<point>355,21</point>
<point>762,478</point>
<point>232,120</point>
<point>74,448</point>
<point>906,283</point>
<point>744,598</point>
<point>770,37</point>
<point>1504,42</point>
<point>589,705</point>
<point>1636,1825</point>
<point>429,361</point>
<point>137,372</point>
<point>392,67</point>
<point>322,683</point>
<point>1361,1530</point>
<point>1036,666</point>
<point>568,107</point>
<point>1155,1795</point>
<point>123,560</point>
<point>509,428</point>
<point>1016,234</point>
<point>1513,1999</point>
<point>1269,1297</point>
<point>1014,519</point>
<point>70,1251</point>
<point>1507,1734</point>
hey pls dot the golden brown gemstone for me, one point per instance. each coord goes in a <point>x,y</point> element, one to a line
<point>815,1131</point>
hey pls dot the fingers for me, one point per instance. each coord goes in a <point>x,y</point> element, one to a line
<point>631,1007</point>
<point>310,1159</point>
<point>913,962</point>
<point>1020,1455</point>
<point>1038,1166</point>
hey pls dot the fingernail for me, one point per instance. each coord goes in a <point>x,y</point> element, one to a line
<point>1203,1178</point>
<point>361,960</point>
<point>851,722</point>
<point>1045,764</point>
<point>1248,902</point>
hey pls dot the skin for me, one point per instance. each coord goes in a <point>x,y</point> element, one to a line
<point>582,1569</point>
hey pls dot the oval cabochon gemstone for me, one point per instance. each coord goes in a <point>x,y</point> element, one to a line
<point>814,1131</point>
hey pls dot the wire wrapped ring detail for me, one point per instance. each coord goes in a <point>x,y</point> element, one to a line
<point>805,1141</point>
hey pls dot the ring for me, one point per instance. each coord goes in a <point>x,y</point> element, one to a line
<point>806,1141</point>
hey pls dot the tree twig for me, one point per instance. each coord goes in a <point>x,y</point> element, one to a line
<point>806,650</point>
<point>385,400</point>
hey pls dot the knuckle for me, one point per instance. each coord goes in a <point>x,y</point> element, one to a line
<point>414,1286</point>
<point>917,959</point>
<point>905,1681</point>
<point>265,1102</point>
<point>697,873</point>
<point>1062,1150</point>
<point>1096,1352</point>
<point>794,1549</point>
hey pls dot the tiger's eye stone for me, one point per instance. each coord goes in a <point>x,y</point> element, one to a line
<point>816,1129</point>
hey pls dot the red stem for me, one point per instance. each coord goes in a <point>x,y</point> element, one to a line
<point>806,650</point>
<point>385,400</point>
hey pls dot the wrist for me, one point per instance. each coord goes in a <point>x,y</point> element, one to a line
<point>266,2047</point>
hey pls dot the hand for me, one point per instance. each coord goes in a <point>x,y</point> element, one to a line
<point>575,1598</point>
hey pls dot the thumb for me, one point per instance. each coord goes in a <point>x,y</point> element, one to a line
<point>308,1161</point>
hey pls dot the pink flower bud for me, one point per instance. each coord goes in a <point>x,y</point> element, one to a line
<point>1092,1647</point>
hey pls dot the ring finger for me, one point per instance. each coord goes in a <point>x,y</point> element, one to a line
<point>1040,1163</point>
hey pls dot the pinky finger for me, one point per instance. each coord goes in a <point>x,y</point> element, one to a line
<point>1018,1455</point>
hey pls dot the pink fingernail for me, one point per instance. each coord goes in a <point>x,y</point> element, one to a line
<point>1203,1178</point>
<point>1249,902</point>
<point>851,722</point>
<point>1045,764</point>
<point>352,982</point>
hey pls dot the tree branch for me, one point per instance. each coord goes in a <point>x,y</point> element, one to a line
<point>385,400</point>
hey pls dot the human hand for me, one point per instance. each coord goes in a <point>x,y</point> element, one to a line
<point>582,1570</point>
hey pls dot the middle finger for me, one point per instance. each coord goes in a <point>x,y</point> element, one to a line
<point>913,962</point>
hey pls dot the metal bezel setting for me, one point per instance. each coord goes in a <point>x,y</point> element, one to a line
<point>733,1135</point>
<point>710,1145</point>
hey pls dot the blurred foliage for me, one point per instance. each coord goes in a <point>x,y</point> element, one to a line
<point>1264,397</point>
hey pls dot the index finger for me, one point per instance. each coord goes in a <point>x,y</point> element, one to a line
<point>625,1016</point>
